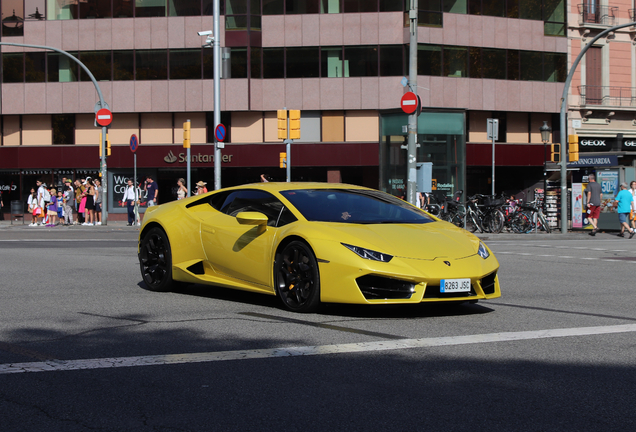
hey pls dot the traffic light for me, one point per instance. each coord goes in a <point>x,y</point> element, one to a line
<point>282,124</point>
<point>186,134</point>
<point>556,152</point>
<point>294,124</point>
<point>573,148</point>
<point>108,151</point>
<point>283,160</point>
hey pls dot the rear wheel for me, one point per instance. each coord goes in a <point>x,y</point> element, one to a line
<point>155,260</point>
<point>297,279</point>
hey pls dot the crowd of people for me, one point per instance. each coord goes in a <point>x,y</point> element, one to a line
<point>50,206</point>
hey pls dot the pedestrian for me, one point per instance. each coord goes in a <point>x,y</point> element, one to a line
<point>60,206</point>
<point>152,191</point>
<point>89,204</point>
<point>129,200</point>
<point>423,200</point>
<point>79,195</point>
<point>32,203</point>
<point>182,191</point>
<point>69,202</point>
<point>51,208</point>
<point>265,178</point>
<point>201,189</point>
<point>623,205</point>
<point>593,194</point>
<point>98,201</point>
<point>632,215</point>
<point>43,200</point>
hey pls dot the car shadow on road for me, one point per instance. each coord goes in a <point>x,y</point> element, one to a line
<point>392,311</point>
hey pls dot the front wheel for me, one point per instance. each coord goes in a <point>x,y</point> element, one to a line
<point>296,277</point>
<point>155,261</point>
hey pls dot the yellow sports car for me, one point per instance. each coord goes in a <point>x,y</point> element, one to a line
<point>314,242</point>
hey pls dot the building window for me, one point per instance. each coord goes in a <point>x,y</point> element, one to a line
<point>331,63</point>
<point>13,67</point>
<point>362,60</point>
<point>123,65</point>
<point>456,61</point>
<point>429,13</point>
<point>302,62</point>
<point>302,6</point>
<point>185,64</point>
<point>273,63</point>
<point>98,62</point>
<point>151,65</point>
<point>12,18</point>
<point>429,60</point>
<point>391,60</point>
<point>61,68</point>
<point>91,9</point>
<point>150,8</point>
<point>63,126</point>
<point>493,63</point>
<point>35,67</point>
<point>356,6</point>
<point>531,65</point>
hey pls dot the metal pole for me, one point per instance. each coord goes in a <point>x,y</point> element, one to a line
<point>411,166</point>
<point>566,87</point>
<point>217,95</point>
<point>493,160</point>
<point>288,162</point>
<point>136,207</point>
<point>189,175</point>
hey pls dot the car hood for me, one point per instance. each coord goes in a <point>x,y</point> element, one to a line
<point>416,241</point>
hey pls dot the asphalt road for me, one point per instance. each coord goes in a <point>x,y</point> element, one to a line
<point>83,347</point>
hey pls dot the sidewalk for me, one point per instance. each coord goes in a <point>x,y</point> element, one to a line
<point>17,224</point>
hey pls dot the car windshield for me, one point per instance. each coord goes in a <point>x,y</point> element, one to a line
<point>354,206</point>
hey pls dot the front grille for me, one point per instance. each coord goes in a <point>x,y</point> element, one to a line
<point>378,287</point>
<point>488,283</point>
<point>432,291</point>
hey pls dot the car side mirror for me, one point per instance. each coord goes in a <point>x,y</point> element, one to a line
<point>251,218</point>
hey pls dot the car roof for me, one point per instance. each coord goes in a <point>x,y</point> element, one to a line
<point>283,186</point>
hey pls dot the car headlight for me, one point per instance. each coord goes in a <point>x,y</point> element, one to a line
<point>368,253</point>
<point>483,251</point>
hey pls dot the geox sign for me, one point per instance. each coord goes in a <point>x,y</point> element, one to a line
<point>593,144</point>
<point>629,144</point>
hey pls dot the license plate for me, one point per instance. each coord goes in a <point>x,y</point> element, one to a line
<point>454,285</point>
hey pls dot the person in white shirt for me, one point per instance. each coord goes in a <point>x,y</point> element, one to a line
<point>129,200</point>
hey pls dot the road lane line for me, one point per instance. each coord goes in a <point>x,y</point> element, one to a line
<point>363,347</point>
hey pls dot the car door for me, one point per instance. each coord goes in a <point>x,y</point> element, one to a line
<point>242,251</point>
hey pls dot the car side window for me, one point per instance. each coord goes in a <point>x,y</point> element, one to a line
<point>246,200</point>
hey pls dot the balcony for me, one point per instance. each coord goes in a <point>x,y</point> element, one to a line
<point>591,13</point>
<point>608,96</point>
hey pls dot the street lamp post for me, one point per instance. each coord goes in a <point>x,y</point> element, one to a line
<point>546,131</point>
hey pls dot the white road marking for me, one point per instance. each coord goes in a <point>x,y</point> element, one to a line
<point>169,359</point>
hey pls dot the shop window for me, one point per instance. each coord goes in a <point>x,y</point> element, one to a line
<point>99,63</point>
<point>391,60</point>
<point>302,62</point>
<point>456,61</point>
<point>429,60</point>
<point>123,65</point>
<point>273,63</point>
<point>61,68</point>
<point>12,67</point>
<point>35,67</point>
<point>185,64</point>
<point>363,60</point>
<point>150,8</point>
<point>531,65</point>
<point>63,127</point>
<point>151,64</point>
<point>331,63</point>
<point>333,126</point>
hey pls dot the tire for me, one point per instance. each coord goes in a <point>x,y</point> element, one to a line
<point>296,277</point>
<point>544,223</point>
<point>155,261</point>
<point>521,224</point>
<point>496,221</point>
<point>471,223</point>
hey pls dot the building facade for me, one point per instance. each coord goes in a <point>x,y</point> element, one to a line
<point>340,62</point>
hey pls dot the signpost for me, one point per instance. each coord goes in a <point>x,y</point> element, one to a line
<point>410,103</point>
<point>219,132</point>
<point>492,130</point>
<point>104,117</point>
<point>134,144</point>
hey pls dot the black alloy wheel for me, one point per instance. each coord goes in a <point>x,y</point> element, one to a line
<point>297,279</point>
<point>155,260</point>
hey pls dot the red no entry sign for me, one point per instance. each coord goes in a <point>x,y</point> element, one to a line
<point>104,117</point>
<point>410,103</point>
